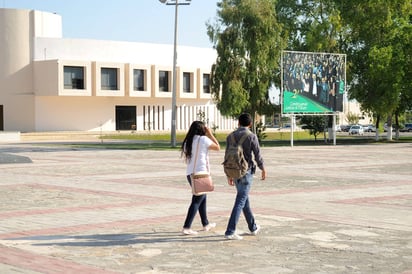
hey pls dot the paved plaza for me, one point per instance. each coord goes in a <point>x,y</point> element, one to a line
<point>323,209</point>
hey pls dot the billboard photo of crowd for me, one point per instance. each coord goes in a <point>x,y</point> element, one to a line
<point>313,82</point>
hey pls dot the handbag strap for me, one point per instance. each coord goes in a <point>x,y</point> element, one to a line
<point>197,150</point>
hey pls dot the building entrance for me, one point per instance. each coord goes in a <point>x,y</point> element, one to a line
<point>125,117</point>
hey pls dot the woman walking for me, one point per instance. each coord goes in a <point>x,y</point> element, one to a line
<point>199,136</point>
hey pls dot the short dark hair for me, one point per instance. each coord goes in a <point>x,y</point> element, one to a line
<point>245,119</point>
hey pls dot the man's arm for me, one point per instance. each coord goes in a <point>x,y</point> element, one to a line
<point>258,157</point>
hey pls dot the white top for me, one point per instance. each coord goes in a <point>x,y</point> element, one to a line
<point>202,162</point>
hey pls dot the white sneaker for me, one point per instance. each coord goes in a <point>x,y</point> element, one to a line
<point>256,230</point>
<point>209,226</point>
<point>234,237</point>
<point>188,231</point>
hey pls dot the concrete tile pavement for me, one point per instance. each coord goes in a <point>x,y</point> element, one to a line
<point>323,209</point>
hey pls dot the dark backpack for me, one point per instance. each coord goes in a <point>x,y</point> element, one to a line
<point>235,166</point>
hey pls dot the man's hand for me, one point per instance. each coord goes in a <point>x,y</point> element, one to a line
<point>263,175</point>
<point>230,181</point>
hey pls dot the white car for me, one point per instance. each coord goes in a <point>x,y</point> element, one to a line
<point>356,129</point>
<point>338,128</point>
<point>369,128</point>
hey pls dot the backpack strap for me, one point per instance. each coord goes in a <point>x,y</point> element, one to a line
<point>242,139</point>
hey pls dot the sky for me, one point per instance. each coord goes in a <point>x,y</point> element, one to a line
<point>147,21</point>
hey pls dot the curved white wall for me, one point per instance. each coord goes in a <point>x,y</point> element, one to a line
<point>17,31</point>
<point>15,70</point>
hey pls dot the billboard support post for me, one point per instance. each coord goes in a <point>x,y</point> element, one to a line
<point>292,128</point>
<point>334,129</point>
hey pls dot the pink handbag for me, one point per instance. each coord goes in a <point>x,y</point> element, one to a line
<point>201,183</point>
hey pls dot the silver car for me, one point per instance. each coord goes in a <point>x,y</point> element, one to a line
<point>369,128</point>
<point>356,129</point>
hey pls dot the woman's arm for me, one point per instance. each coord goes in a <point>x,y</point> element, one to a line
<point>215,145</point>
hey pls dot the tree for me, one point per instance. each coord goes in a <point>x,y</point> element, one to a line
<point>248,40</point>
<point>380,55</point>
<point>405,102</point>
<point>376,36</point>
<point>313,26</point>
<point>352,118</point>
<point>314,123</point>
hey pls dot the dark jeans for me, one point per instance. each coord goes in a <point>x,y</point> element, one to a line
<point>198,204</point>
<point>243,186</point>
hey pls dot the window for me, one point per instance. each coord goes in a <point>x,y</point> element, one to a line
<point>138,79</point>
<point>125,117</point>
<point>206,83</point>
<point>163,80</point>
<point>109,78</point>
<point>73,77</point>
<point>187,82</point>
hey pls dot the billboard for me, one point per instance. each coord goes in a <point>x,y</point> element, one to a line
<point>312,82</point>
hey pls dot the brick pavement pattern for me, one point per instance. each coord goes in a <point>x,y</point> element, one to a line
<point>323,209</point>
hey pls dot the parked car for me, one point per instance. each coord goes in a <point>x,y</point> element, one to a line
<point>369,128</point>
<point>394,127</point>
<point>338,128</point>
<point>407,128</point>
<point>385,127</point>
<point>356,129</point>
<point>344,128</point>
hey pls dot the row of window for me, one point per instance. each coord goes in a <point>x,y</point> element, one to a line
<point>74,78</point>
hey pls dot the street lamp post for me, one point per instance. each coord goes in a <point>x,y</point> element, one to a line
<point>176,4</point>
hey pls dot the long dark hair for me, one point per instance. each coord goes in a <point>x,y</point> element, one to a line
<point>196,128</point>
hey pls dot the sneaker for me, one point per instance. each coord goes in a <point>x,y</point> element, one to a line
<point>188,231</point>
<point>233,237</point>
<point>209,226</point>
<point>256,230</point>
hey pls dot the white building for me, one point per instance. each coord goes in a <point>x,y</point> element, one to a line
<point>48,83</point>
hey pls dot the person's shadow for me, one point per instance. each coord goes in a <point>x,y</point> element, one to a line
<point>118,239</point>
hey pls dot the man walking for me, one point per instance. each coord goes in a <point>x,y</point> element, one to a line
<point>250,145</point>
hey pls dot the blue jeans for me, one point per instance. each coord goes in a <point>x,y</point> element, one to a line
<point>198,204</point>
<point>243,186</point>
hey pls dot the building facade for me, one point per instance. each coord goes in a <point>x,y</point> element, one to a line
<point>51,83</point>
